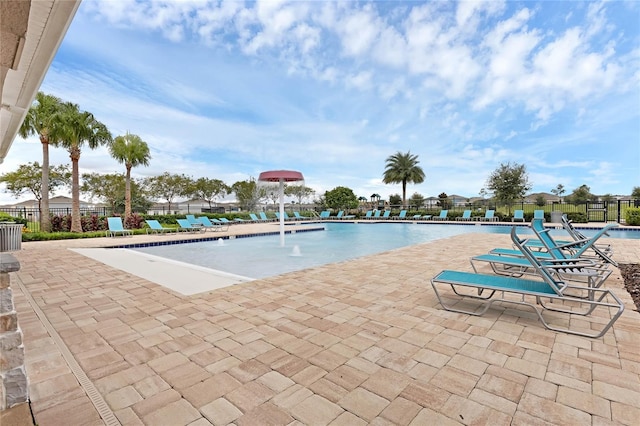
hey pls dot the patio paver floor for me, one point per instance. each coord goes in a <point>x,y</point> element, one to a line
<point>358,342</point>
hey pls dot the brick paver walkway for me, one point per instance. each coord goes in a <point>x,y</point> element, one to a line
<point>353,343</point>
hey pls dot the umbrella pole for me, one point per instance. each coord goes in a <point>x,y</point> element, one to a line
<point>281,190</point>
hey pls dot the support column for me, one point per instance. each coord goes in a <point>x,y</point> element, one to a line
<point>13,377</point>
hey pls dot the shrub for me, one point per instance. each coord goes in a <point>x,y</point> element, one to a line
<point>165,219</point>
<point>49,236</point>
<point>134,221</point>
<point>632,216</point>
<point>93,223</point>
<point>60,223</point>
<point>576,217</point>
<point>4,217</point>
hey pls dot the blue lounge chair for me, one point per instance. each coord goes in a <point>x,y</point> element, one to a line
<point>572,249</point>
<point>298,216</point>
<point>376,214</point>
<point>401,216</point>
<point>186,226</point>
<point>518,215</point>
<point>564,249</point>
<point>223,224</point>
<point>582,271</point>
<point>192,220</point>
<point>368,214</point>
<point>466,215</point>
<point>585,271</point>
<point>254,217</point>
<point>386,214</point>
<point>285,215</point>
<point>116,228</point>
<point>538,214</point>
<point>534,293</point>
<point>443,215</point>
<point>263,216</point>
<point>602,250</point>
<point>341,215</point>
<point>489,216</point>
<point>156,228</point>
<point>208,224</point>
<point>422,217</point>
<point>325,214</point>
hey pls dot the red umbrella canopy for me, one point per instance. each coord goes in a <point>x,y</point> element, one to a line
<point>276,175</point>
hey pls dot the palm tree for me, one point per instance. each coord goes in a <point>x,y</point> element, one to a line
<point>78,128</point>
<point>131,151</point>
<point>42,119</point>
<point>403,168</point>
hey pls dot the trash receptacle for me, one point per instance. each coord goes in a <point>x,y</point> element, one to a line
<point>10,236</point>
<point>556,217</point>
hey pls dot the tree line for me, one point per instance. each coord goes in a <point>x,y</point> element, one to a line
<point>63,124</point>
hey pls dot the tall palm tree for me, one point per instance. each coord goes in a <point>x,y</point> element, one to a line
<point>42,119</point>
<point>132,151</point>
<point>79,128</point>
<point>403,168</point>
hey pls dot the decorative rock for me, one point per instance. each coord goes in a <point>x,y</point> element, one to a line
<point>10,339</point>
<point>15,388</point>
<point>5,280</point>
<point>11,359</point>
<point>6,300</point>
<point>8,263</point>
<point>8,322</point>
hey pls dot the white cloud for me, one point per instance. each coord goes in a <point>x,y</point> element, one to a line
<point>275,18</point>
<point>227,88</point>
<point>467,13</point>
<point>358,30</point>
<point>361,80</point>
<point>390,49</point>
<point>394,88</point>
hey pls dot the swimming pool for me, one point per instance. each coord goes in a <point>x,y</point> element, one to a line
<point>262,256</point>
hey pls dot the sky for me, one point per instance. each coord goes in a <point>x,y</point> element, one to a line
<point>229,89</point>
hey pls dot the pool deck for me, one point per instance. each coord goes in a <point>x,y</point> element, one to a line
<point>354,343</point>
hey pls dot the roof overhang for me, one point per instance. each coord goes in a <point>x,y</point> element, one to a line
<point>31,33</point>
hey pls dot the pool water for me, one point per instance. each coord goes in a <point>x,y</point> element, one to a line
<point>262,256</point>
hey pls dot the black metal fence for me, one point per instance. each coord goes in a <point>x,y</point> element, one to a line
<point>596,211</point>
<point>593,211</point>
<point>34,214</point>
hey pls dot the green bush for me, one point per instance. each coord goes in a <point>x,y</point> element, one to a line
<point>632,216</point>
<point>577,217</point>
<point>135,221</point>
<point>4,217</point>
<point>50,236</point>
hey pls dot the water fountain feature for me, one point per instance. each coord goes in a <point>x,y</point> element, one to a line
<point>281,176</point>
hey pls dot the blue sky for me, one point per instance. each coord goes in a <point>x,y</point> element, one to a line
<point>229,89</point>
